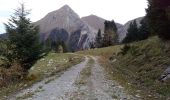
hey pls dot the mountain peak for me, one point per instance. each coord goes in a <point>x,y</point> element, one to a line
<point>93,15</point>
<point>66,7</point>
<point>63,18</point>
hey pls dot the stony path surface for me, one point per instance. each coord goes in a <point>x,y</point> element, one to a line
<point>106,89</point>
<point>98,87</point>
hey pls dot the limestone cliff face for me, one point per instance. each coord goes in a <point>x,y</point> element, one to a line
<point>98,23</point>
<point>66,25</point>
<point>78,33</point>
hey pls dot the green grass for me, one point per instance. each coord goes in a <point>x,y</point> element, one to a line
<point>143,65</point>
<point>1,61</point>
<point>140,68</point>
<point>85,74</point>
<point>25,96</point>
<point>52,64</point>
<point>104,52</point>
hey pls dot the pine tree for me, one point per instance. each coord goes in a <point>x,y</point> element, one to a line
<point>23,39</point>
<point>47,44</point>
<point>110,34</point>
<point>64,46</point>
<point>99,39</point>
<point>60,49</point>
<point>132,34</point>
<point>158,18</point>
<point>144,32</point>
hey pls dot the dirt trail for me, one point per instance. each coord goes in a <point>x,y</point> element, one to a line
<point>97,87</point>
<point>106,89</point>
<point>57,89</point>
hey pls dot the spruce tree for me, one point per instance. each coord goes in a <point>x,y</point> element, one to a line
<point>132,33</point>
<point>64,47</point>
<point>144,32</point>
<point>110,34</point>
<point>23,39</point>
<point>99,39</point>
<point>47,44</point>
<point>158,18</point>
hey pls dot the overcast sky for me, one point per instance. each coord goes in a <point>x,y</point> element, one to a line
<point>119,10</point>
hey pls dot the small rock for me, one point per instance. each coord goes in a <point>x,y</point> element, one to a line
<point>25,85</point>
<point>138,91</point>
<point>114,60</point>
<point>137,95</point>
<point>5,96</point>
<point>149,95</point>
<point>42,59</point>
<point>165,75</point>
<point>113,85</point>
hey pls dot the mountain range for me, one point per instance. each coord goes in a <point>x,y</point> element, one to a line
<point>77,33</point>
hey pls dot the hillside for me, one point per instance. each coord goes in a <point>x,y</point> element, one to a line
<point>138,66</point>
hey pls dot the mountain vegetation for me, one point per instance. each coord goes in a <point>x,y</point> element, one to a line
<point>137,33</point>
<point>50,45</point>
<point>20,50</point>
<point>110,36</point>
<point>98,41</point>
<point>158,18</point>
<point>132,34</point>
<point>24,45</point>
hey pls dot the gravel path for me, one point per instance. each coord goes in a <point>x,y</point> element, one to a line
<point>105,89</point>
<point>98,87</point>
<point>56,89</point>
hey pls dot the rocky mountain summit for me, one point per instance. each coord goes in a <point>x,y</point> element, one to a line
<point>77,33</point>
<point>65,25</point>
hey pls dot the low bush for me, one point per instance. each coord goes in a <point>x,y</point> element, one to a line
<point>11,75</point>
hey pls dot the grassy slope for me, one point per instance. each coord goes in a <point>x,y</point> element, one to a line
<point>140,68</point>
<point>104,52</point>
<point>52,64</point>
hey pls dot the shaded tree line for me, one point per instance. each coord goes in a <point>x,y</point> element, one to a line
<point>109,37</point>
<point>56,46</point>
<point>135,33</point>
<point>158,15</point>
<point>156,22</point>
